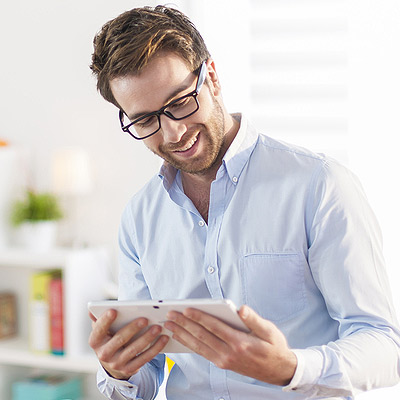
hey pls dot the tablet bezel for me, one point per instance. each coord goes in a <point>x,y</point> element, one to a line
<point>156,311</point>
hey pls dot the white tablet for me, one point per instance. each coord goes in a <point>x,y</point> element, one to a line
<point>156,310</point>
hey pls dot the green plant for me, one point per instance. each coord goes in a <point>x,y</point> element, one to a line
<point>36,207</point>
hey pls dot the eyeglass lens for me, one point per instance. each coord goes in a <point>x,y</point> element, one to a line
<point>179,109</point>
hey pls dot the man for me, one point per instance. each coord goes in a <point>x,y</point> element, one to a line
<point>235,214</point>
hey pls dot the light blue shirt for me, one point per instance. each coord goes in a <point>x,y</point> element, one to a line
<point>290,233</point>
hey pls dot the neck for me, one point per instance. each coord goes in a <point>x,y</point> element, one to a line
<point>205,178</point>
<point>197,186</point>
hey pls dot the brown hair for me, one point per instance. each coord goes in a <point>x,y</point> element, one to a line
<point>126,44</point>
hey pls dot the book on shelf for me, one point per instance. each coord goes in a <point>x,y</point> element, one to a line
<point>46,329</point>
<point>56,315</point>
<point>8,315</point>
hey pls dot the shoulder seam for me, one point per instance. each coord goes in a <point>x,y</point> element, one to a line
<point>292,150</point>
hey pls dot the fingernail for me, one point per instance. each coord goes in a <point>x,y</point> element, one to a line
<point>171,316</point>
<point>167,325</point>
<point>141,323</point>
<point>155,330</point>
<point>164,339</point>
<point>245,312</point>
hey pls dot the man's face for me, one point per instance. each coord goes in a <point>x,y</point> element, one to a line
<point>192,144</point>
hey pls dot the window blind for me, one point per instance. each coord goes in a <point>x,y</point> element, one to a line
<point>298,71</point>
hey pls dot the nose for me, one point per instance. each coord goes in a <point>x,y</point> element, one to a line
<point>172,130</point>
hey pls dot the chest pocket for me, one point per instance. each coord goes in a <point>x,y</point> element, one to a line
<point>273,285</point>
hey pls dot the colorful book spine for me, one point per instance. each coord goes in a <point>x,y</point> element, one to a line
<point>8,315</point>
<point>46,313</point>
<point>39,326</point>
<point>56,316</point>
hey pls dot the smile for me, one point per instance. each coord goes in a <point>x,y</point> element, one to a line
<point>189,145</point>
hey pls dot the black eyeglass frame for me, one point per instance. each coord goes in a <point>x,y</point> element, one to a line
<point>194,93</point>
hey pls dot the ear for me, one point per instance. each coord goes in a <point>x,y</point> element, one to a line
<point>215,86</point>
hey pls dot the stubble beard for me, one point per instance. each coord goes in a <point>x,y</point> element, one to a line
<point>212,134</point>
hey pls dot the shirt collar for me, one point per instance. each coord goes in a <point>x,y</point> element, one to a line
<point>239,151</point>
<point>167,174</point>
<point>235,157</point>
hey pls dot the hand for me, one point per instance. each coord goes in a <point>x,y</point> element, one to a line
<point>120,357</point>
<point>262,354</point>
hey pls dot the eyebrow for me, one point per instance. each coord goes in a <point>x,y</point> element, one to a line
<point>178,90</point>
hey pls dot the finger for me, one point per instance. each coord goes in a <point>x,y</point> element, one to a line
<point>220,329</point>
<point>124,369</point>
<point>141,344</point>
<point>101,328</point>
<point>122,337</point>
<point>92,317</point>
<point>145,357</point>
<point>193,335</point>
<point>259,326</point>
<point>196,344</point>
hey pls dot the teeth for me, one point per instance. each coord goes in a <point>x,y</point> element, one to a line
<point>189,145</point>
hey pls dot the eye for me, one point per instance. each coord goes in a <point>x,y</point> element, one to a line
<point>179,103</point>
<point>147,121</point>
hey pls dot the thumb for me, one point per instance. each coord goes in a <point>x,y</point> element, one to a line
<point>92,317</point>
<point>258,326</point>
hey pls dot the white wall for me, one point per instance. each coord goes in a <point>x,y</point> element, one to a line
<point>49,100</point>
<point>374,125</point>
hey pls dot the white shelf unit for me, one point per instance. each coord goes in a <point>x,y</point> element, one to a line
<point>85,275</point>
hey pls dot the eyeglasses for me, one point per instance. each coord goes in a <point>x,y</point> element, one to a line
<point>180,108</point>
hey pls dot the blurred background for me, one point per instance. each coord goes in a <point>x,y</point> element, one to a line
<point>319,73</point>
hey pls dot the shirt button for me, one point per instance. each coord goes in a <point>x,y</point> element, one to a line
<point>210,269</point>
<point>201,223</point>
<point>234,179</point>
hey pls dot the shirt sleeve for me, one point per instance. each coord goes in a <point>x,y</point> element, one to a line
<point>141,386</point>
<point>132,285</point>
<point>345,257</point>
<point>145,384</point>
